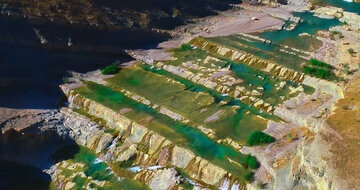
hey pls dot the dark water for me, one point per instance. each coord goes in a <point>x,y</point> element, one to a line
<point>24,155</point>
<point>30,72</point>
<point>17,176</point>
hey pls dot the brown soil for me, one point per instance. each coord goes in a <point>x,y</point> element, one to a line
<point>346,122</point>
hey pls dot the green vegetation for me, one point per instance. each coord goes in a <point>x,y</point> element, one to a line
<point>109,70</point>
<point>113,132</point>
<point>186,47</point>
<point>320,73</point>
<point>95,170</point>
<point>259,137</point>
<point>268,51</point>
<point>347,70</point>
<point>336,33</point>
<point>306,43</point>
<point>262,185</point>
<point>321,64</point>
<point>320,69</point>
<point>181,134</point>
<point>249,177</point>
<point>251,162</point>
<point>127,163</point>
<point>352,51</point>
<point>183,97</point>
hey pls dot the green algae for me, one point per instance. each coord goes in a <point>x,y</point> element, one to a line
<point>190,85</point>
<point>252,78</point>
<point>305,43</point>
<point>259,79</point>
<point>237,127</point>
<point>97,170</point>
<point>266,51</point>
<point>109,70</point>
<point>178,133</point>
<point>196,107</point>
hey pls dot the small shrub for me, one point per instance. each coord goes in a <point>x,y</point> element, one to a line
<point>309,70</point>
<point>249,177</point>
<point>186,47</point>
<point>258,137</point>
<point>352,51</point>
<point>322,73</point>
<point>336,33</point>
<point>318,63</point>
<point>109,70</point>
<point>250,162</point>
<point>262,185</point>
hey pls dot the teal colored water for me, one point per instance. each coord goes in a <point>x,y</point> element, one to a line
<point>98,170</point>
<point>268,51</point>
<point>256,78</point>
<point>181,134</point>
<point>189,84</point>
<point>347,6</point>
<point>216,95</point>
<point>311,24</point>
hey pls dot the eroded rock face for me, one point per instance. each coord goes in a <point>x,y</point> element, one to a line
<point>164,179</point>
<point>145,147</point>
<point>249,59</point>
<point>352,19</point>
<point>154,14</point>
<point>181,157</point>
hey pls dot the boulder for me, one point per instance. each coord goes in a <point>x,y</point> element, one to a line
<point>164,179</point>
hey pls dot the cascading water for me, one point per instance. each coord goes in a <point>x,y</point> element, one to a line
<point>225,185</point>
<point>71,101</point>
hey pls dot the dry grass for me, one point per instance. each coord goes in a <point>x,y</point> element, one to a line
<point>346,122</point>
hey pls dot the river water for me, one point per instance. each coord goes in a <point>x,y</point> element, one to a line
<point>30,72</point>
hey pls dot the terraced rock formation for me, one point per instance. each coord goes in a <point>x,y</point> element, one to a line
<point>186,120</point>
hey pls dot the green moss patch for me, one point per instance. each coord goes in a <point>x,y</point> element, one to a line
<point>109,70</point>
<point>259,137</point>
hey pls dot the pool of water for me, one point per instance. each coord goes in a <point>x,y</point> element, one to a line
<point>311,24</point>
<point>180,134</point>
<point>194,106</point>
<point>98,170</point>
<point>30,73</point>
<point>349,6</point>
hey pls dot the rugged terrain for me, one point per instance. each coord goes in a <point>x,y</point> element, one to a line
<point>180,115</point>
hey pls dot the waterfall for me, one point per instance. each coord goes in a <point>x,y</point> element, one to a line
<point>135,169</point>
<point>97,161</point>
<point>225,185</point>
<point>154,167</point>
<point>71,101</point>
<point>235,186</point>
<point>113,144</point>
